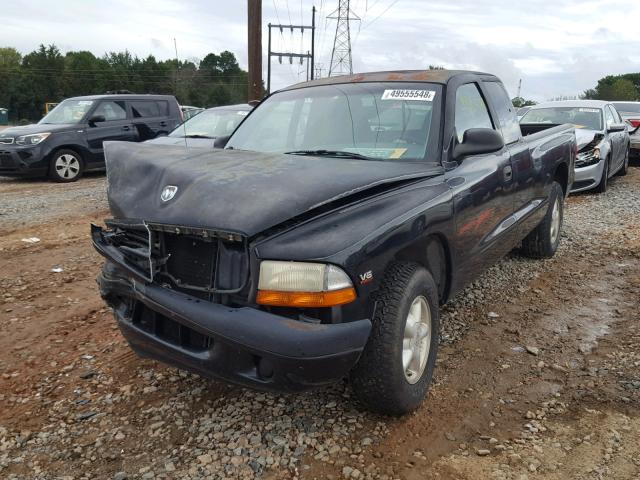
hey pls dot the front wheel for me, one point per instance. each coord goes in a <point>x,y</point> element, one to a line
<point>604,181</point>
<point>66,166</point>
<point>625,165</point>
<point>394,372</point>
<point>543,241</point>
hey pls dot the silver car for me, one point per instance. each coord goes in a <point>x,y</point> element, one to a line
<point>630,112</point>
<point>201,130</point>
<point>602,136</point>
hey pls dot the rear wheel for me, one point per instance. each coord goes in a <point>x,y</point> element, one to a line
<point>604,181</point>
<point>66,166</point>
<point>543,241</point>
<point>393,375</point>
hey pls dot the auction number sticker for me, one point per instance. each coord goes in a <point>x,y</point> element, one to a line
<point>418,95</point>
<point>589,110</point>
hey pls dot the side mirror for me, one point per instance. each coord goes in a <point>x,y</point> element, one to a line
<point>616,127</point>
<point>96,119</point>
<point>221,142</point>
<point>477,141</point>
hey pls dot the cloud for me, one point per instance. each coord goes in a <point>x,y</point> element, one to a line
<point>556,48</point>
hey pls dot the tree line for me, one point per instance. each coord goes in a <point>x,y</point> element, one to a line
<point>29,81</point>
<point>616,87</point>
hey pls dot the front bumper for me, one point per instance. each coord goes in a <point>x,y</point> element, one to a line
<point>588,177</point>
<point>242,345</point>
<point>25,161</point>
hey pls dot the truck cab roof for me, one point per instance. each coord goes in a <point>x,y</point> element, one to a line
<point>427,76</point>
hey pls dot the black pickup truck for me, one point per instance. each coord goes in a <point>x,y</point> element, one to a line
<point>320,242</point>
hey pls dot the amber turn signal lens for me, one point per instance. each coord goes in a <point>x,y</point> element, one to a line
<point>306,299</point>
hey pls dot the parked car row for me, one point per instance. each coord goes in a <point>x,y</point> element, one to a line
<point>603,138</point>
<point>68,141</point>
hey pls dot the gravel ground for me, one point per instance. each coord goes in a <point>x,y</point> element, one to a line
<point>102,413</point>
<point>27,202</point>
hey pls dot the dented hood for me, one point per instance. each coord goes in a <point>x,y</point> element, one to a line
<point>235,190</point>
<point>585,136</point>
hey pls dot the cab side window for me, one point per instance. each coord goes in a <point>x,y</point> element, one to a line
<point>509,125</point>
<point>112,110</point>
<point>471,111</point>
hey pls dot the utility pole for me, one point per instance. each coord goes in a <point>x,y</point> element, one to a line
<point>341,62</point>
<point>254,13</point>
<point>309,56</point>
<point>519,88</point>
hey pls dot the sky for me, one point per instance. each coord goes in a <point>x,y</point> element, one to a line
<point>557,48</point>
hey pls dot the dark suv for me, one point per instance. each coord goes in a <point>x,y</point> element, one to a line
<point>68,140</point>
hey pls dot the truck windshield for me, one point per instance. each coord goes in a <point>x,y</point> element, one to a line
<point>69,111</point>
<point>210,124</point>
<point>580,117</point>
<point>372,121</point>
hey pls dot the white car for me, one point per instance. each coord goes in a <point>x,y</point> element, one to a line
<point>602,136</point>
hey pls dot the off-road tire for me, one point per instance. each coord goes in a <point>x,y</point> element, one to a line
<point>604,181</point>
<point>57,175</point>
<point>539,243</point>
<point>378,379</point>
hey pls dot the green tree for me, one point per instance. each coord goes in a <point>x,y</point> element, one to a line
<point>616,87</point>
<point>520,102</point>
<point>41,81</point>
<point>10,72</point>
<point>45,75</point>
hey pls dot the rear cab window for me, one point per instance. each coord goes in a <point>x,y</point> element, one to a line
<point>471,110</point>
<point>505,110</point>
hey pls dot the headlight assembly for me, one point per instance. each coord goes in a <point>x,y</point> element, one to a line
<point>302,284</point>
<point>32,139</point>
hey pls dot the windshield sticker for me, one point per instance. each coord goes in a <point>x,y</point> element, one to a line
<point>398,153</point>
<point>243,113</point>
<point>85,102</point>
<point>381,153</point>
<point>589,110</point>
<point>415,95</point>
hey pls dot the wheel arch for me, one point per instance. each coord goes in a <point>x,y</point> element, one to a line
<point>433,253</point>
<point>561,175</point>
<point>82,152</point>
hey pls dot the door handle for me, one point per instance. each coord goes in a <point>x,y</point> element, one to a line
<point>508,173</point>
<point>126,128</point>
<point>163,124</point>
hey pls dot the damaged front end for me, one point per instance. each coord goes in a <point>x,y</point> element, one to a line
<point>202,262</point>
<point>183,296</point>
<point>589,154</point>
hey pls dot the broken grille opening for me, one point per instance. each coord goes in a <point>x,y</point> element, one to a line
<point>196,261</point>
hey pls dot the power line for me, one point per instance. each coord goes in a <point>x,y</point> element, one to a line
<point>385,11</point>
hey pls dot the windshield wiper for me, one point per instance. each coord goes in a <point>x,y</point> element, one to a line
<point>330,153</point>
<point>195,135</point>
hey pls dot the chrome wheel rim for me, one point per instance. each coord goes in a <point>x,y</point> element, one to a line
<point>416,342</point>
<point>67,166</point>
<point>555,221</point>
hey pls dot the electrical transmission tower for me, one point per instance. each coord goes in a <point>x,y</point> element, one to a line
<point>341,63</point>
